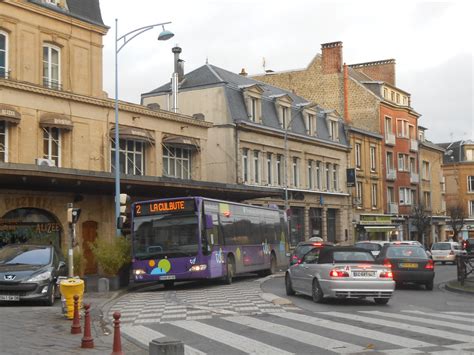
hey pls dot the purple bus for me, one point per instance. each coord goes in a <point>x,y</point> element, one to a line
<point>191,238</point>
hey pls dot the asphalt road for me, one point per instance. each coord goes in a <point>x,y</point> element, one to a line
<point>405,298</point>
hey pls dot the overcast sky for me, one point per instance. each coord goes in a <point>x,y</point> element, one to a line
<point>431,42</point>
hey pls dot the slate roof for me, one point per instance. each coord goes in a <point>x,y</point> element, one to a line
<point>85,10</point>
<point>454,151</point>
<point>210,75</point>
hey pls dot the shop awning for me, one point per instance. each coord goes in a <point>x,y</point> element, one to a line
<point>56,120</point>
<point>379,228</point>
<point>182,142</point>
<point>9,114</point>
<point>132,133</point>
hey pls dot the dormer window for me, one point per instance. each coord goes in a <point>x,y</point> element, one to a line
<point>253,102</point>
<point>253,109</point>
<point>333,127</point>
<point>310,121</point>
<point>283,104</point>
<point>285,117</point>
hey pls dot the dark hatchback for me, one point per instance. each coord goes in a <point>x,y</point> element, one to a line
<point>30,272</point>
<point>304,247</point>
<point>409,263</point>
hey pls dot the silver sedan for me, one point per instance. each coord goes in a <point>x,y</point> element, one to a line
<point>340,272</point>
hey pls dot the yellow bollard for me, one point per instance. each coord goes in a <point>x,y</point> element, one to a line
<point>69,288</point>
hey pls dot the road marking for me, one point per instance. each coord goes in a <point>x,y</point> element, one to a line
<point>419,320</point>
<point>409,327</point>
<point>144,336</point>
<point>462,313</point>
<point>298,335</point>
<point>401,351</point>
<point>442,315</point>
<point>239,342</point>
<point>353,330</point>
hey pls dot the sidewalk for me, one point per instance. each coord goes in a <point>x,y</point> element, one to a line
<point>467,288</point>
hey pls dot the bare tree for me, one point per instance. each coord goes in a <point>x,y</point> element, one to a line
<point>457,214</point>
<point>421,219</point>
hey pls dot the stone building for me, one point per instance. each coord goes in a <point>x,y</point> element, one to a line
<point>263,137</point>
<point>57,131</point>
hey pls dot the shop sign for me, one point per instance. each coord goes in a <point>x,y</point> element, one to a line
<point>375,220</point>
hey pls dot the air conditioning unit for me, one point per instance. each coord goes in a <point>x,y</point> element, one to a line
<point>45,162</point>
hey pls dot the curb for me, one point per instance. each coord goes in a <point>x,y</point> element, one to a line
<point>457,290</point>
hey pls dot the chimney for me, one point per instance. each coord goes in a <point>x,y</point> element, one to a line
<point>243,72</point>
<point>381,70</point>
<point>178,63</point>
<point>175,79</point>
<point>332,57</point>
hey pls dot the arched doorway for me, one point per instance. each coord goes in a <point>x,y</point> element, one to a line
<point>30,225</point>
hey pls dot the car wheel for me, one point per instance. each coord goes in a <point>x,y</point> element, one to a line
<point>288,286</point>
<point>429,285</point>
<point>51,297</point>
<point>230,271</point>
<point>381,300</point>
<point>443,262</point>
<point>317,293</point>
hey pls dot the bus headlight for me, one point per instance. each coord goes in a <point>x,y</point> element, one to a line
<point>198,267</point>
<point>138,272</point>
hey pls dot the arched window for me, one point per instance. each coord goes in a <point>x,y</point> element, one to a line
<point>52,66</point>
<point>3,54</point>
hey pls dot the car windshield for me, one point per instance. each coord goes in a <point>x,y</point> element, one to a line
<point>406,252</point>
<point>369,246</point>
<point>441,246</point>
<point>168,234</point>
<point>352,256</point>
<point>25,255</point>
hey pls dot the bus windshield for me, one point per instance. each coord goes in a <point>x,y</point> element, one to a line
<point>169,235</point>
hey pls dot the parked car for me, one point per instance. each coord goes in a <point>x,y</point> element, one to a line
<point>374,246</point>
<point>30,272</point>
<point>340,272</point>
<point>468,245</point>
<point>446,252</point>
<point>409,263</point>
<point>303,247</point>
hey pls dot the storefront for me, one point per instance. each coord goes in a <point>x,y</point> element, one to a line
<point>376,227</point>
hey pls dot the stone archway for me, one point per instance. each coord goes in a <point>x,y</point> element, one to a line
<point>30,225</point>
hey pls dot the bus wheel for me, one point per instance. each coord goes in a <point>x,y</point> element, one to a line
<point>230,271</point>
<point>168,284</point>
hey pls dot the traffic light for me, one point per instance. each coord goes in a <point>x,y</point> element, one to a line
<point>73,215</point>
<point>122,218</point>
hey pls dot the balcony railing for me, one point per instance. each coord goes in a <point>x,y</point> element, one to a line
<point>413,145</point>
<point>414,178</point>
<point>391,174</point>
<point>390,138</point>
<point>52,84</point>
<point>392,208</point>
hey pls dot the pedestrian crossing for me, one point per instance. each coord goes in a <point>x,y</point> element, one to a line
<point>327,332</point>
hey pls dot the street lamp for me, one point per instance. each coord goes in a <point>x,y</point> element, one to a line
<point>163,36</point>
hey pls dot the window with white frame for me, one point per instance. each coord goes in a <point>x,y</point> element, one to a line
<point>278,169</point>
<point>310,124</point>
<point>427,199</point>
<point>469,154</point>
<point>398,98</point>
<point>359,193</point>
<point>132,158</point>
<point>296,172</point>
<point>245,165</point>
<point>389,161</point>
<point>374,196</point>
<point>176,161</point>
<point>52,144</point>
<point>256,166</point>
<point>335,177</point>
<point>269,169</point>
<point>3,55</point>
<point>357,152</point>
<point>405,196</point>
<point>411,131</point>
<point>388,125</point>
<point>285,117</point>
<point>471,208</point>
<point>402,162</point>
<point>328,176</point>
<point>413,165</point>
<point>3,142</point>
<point>310,174</point>
<point>51,66</point>
<point>385,93</point>
<point>254,109</point>
<point>402,129</point>
<point>470,183</point>
<point>425,170</point>
<point>334,130</point>
<point>318,175</point>
<point>390,194</point>
<point>373,159</point>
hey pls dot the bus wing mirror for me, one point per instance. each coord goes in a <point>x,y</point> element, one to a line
<point>209,222</point>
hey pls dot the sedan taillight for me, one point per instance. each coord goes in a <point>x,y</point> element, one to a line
<point>386,274</point>
<point>387,263</point>
<point>338,273</point>
<point>429,265</point>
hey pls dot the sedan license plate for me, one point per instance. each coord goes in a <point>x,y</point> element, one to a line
<point>363,273</point>
<point>9,298</point>
<point>409,265</point>
<point>168,277</point>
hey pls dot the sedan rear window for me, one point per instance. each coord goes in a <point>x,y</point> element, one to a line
<point>369,246</point>
<point>406,252</point>
<point>352,256</point>
<point>441,246</point>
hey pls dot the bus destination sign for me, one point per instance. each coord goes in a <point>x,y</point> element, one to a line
<point>162,207</point>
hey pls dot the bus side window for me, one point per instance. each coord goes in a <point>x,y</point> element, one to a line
<point>213,235</point>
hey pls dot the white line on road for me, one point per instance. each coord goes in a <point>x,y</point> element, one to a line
<point>409,327</point>
<point>298,335</point>
<point>356,331</point>
<point>239,342</point>
<point>419,320</point>
<point>466,319</point>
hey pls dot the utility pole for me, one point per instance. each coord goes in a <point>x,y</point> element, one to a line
<point>72,218</point>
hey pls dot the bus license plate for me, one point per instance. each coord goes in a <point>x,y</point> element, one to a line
<point>9,298</point>
<point>168,277</point>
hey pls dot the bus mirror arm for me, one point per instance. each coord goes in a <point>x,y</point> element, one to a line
<point>209,223</point>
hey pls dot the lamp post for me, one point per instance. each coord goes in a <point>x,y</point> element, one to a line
<point>286,172</point>
<point>163,36</point>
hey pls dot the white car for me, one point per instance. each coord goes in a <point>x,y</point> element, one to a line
<point>446,251</point>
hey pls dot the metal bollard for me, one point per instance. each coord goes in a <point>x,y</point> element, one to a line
<point>87,340</point>
<point>117,347</point>
<point>76,323</point>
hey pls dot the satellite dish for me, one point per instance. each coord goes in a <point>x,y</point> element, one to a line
<point>448,152</point>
